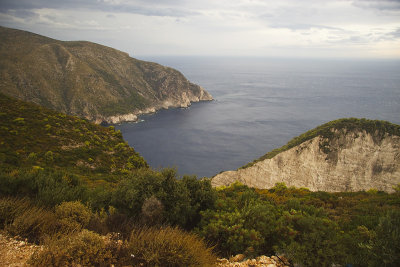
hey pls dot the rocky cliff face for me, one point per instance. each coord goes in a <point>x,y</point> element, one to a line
<point>87,79</point>
<point>349,160</point>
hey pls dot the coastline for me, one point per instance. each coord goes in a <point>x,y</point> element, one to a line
<point>134,116</point>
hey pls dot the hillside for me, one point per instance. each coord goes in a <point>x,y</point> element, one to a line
<point>86,198</point>
<point>35,137</point>
<point>342,155</point>
<point>89,80</point>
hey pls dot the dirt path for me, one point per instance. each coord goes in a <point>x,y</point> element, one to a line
<point>15,252</point>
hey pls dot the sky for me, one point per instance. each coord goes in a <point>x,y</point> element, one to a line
<point>279,28</point>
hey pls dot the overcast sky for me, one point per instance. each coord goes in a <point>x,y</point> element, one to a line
<point>280,28</point>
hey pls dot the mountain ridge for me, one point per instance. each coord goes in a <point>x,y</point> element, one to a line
<point>89,80</point>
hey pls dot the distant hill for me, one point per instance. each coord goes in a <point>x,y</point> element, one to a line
<point>89,80</point>
<point>342,155</point>
<point>34,137</point>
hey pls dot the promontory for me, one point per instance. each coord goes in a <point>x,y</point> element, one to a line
<point>342,155</point>
<point>89,80</point>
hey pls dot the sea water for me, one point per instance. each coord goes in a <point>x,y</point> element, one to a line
<point>260,104</point>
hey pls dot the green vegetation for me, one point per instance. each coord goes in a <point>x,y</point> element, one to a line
<point>310,228</point>
<point>378,129</point>
<point>78,189</point>
<point>33,138</point>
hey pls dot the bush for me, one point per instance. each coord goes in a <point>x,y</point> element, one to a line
<point>73,216</point>
<point>33,223</point>
<point>141,185</point>
<point>152,211</point>
<point>182,200</point>
<point>48,187</point>
<point>168,247</point>
<point>387,245</point>
<point>10,208</point>
<point>81,249</point>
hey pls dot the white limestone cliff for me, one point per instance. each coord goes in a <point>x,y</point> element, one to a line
<point>355,161</point>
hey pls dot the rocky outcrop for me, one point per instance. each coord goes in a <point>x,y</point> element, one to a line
<point>89,80</point>
<point>349,160</point>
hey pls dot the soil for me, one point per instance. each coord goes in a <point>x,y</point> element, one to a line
<point>15,251</point>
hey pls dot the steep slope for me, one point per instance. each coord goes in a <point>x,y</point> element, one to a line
<point>342,155</point>
<point>88,80</point>
<point>34,137</point>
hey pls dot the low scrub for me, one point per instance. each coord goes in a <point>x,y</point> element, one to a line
<point>73,215</point>
<point>10,208</point>
<point>84,248</point>
<point>168,247</point>
<point>31,222</point>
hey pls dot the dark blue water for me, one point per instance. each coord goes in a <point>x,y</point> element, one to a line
<point>260,104</point>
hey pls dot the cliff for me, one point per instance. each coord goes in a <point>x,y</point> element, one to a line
<point>343,155</point>
<point>89,80</point>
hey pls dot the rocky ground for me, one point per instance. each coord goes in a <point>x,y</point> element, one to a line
<point>15,251</point>
<point>262,261</point>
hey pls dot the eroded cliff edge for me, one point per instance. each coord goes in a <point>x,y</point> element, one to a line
<point>344,155</point>
<point>87,79</point>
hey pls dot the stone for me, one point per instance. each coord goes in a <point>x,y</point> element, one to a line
<point>222,261</point>
<point>237,258</point>
<point>264,259</point>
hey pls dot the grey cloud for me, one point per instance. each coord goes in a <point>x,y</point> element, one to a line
<point>396,33</point>
<point>368,38</point>
<point>147,8</point>
<point>391,35</point>
<point>383,5</point>
<point>355,39</point>
<point>23,13</point>
<point>298,26</point>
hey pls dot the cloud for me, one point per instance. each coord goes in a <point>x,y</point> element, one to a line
<point>147,8</point>
<point>396,33</point>
<point>391,36</point>
<point>221,27</point>
<point>383,5</point>
<point>299,26</point>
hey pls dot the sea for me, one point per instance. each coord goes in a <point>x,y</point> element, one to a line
<point>259,104</point>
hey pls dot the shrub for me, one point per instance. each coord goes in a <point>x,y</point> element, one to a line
<point>48,187</point>
<point>80,249</point>
<point>131,193</point>
<point>168,247</point>
<point>10,208</point>
<point>387,245</point>
<point>73,215</point>
<point>152,211</point>
<point>33,223</point>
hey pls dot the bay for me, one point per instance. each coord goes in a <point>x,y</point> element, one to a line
<point>260,104</point>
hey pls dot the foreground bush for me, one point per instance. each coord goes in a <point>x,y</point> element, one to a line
<point>168,247</point>
<point>20,217</point>
<point>80,249</point>
<point>146,247</point>
<point>10,208</point>
<point>73,215</point>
